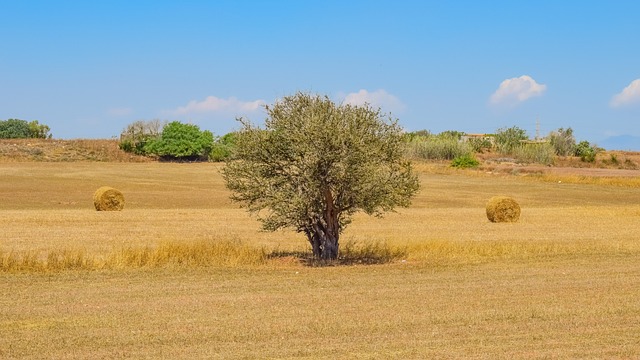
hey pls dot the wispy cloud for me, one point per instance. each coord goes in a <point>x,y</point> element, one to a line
<point>628,95</point>
<point>514,91</point>
<point>212,104</point>
<point>378,98</point>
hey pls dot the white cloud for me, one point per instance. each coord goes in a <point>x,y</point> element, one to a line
<point>628,96</point>
<point>213,104</point>
<point>378,98</point>
<point>516,90</point>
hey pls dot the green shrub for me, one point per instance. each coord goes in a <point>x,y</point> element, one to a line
<point>465,161</point>
<point>180,141</point>
<point>136,135</point>
<point>563,141</point>
<point>586,151</point>
<point>480,145</point>
<point>223,147</point>
<point>507,139</point>
<point>436,148</point>
<point>539,153</point>
<point>410,136</point>
<point>22,129</point>
<point>14,129</point>
<point>451,134</point>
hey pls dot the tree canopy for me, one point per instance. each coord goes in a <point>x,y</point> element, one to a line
<point>315,164</point>
<point>181,141</point>
<point>22,129</point>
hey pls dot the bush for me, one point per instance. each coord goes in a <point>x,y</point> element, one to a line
<point>452,134</point>
<point>181,142</point>
<point>563,141</point>
<point>480,145</point>
<point>507,139</point>
<point>136,135</point>
<point>586,151</point>
<point>437,148</point>
<point>465,161</point>
<point>21,129</point>
<point>223,147</point>
<point>410,136</point>
<point>540,153</point>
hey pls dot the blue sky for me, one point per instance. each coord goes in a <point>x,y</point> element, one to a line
<point>89,68</point>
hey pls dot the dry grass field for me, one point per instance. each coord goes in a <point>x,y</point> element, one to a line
<point>181,273</point>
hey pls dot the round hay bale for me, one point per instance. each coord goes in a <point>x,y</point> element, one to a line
<point>503,209</point>
<point>108,199</point>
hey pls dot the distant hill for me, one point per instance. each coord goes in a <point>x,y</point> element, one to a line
<point>622,142</point>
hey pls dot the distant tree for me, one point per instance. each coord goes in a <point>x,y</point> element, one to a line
<point>223,147</point>
<point>39,131</point>
<point>14,129</point>
<point>316,164</point>
<point>507,139</point>
<point>180,141</point>
<point>563,141</point>
<point>136,135</point>
<point>22,129</point>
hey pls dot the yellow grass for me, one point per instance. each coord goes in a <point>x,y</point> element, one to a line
<point>629,181</point>
<point>183,273</point>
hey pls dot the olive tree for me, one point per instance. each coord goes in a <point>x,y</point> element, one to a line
<point>315,164</point>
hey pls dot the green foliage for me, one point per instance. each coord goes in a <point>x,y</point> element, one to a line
<point>507,139</point>
<point>451,134</point>
<point>14,129</point>
<point>586,151</point>
<point>21,129</point>
<point>180,141</point>
<point>563,141</point>
<point>539,153</point>
<point>480,145</point>
<point>136,135</point>
<point>316,164</point>
<point>410,136</point>
<point>436,148</point>
<point>39,131</point>
<point>223,147</point>
<point>465,161</point>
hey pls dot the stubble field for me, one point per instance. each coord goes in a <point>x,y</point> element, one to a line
<point>563,282</point>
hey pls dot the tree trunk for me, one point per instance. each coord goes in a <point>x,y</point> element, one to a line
<point>323,243</point>
<point>332,233</point>
<point>324,232</point>
<point>330,248</point>
<point>316,244</point>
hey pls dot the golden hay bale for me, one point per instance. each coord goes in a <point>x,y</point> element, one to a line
<point>503,209</point>
<point>108,199</point>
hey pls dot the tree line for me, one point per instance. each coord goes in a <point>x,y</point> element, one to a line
<point>512,142</point>
<point>23,129</point>
<point>175,141</point>
<point>179,141</point>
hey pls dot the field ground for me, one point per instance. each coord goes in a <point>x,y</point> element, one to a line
<point>563,282</point>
